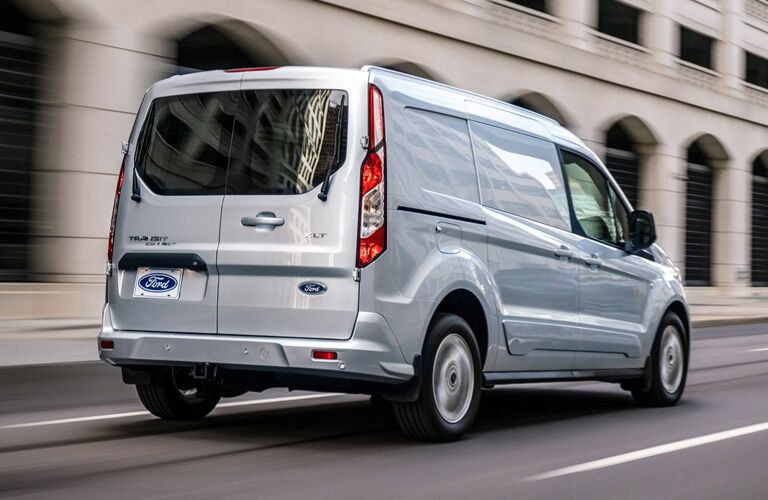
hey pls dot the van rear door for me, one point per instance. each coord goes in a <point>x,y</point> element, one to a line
<point>287,259</point>
<point>165,276</point>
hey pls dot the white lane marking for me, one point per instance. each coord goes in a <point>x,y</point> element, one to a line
<point>652,452</point>
<point>140,413</point>
<point>758,350</point>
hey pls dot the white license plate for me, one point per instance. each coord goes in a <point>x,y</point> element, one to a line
<point>157,283</point>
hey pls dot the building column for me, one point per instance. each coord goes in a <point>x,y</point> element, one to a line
<point>662,191</point>
<point>577,17</point>
<point>730,58</point>
<point>731,221</point>
<point>660,34</point>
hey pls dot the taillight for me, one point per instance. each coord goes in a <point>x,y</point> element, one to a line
<point>111,242</point>
<point>373,214</point>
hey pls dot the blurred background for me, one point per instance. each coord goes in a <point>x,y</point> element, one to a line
<point>672,94</point>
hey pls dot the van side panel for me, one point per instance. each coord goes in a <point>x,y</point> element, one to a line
<point>436,231</point>
<point>528,226</point>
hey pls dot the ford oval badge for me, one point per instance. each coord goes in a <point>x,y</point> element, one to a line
<point>158,282</point>
<point>312,288</point>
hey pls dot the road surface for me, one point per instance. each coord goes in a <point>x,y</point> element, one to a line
<point>75,431</point>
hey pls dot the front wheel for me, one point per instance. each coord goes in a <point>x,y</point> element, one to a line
<point>174,395</point>
<point>450,386</point>
<point>669,365</point>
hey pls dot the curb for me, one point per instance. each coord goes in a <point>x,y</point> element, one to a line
<point>22,327</point>
<point>750,320</point>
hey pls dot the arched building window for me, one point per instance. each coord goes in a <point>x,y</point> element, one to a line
<point>232,44</point>
<point>622,160</point>
<point>626,141</point>
<point>703,156</point>
<point>760,220</point>
<point>411,68</point>
<point>539,103</point>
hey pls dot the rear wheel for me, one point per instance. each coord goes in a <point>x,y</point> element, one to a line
<point>174,395</point>
<point>450,387</point>
<point>669,365</point>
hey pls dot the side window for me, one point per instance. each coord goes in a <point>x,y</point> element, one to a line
<point>520,175</point>
<point>596,205</point>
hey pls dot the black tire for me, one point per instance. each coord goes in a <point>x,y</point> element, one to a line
<point>164,398</point>
<point>422,419</point>
<point>378,401</point>
<point>656,393</point>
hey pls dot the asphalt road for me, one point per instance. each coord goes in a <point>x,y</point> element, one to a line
<point>75,431</point>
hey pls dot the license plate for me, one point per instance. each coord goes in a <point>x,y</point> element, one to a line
<point>157,283</point>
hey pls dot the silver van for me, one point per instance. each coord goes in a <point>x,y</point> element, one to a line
<point>367,231</point>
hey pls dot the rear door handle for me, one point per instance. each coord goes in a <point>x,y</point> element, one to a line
<point>564,251</point>
<point>593,261</point>
<point>262,220</point>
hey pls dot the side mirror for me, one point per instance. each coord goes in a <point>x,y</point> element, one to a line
<point>642,230</point>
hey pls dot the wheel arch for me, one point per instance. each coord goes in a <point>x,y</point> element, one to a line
<point>679,308</point>
<point>465,304</point>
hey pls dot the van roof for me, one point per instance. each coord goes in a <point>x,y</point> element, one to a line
<point>556,133</point>
<point>427,81</point>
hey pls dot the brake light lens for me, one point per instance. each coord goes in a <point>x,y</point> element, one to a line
<point>111,242</point>
<point>372,237</point>
<point>325,355</point>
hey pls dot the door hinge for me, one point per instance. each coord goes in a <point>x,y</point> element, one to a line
<point>356,274</point>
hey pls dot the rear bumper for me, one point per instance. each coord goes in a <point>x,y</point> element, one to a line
<point>371,354</point>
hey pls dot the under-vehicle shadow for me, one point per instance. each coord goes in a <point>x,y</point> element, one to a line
<point>501,409</point>
<point>514,407</point>
<point>353,421</point>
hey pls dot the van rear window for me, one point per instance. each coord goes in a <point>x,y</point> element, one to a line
<point>285,140</point>
<point>184,146</point>
<point>277,141</point>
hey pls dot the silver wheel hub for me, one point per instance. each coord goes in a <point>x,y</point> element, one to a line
<point>453,378</point>
<point>671,359</point>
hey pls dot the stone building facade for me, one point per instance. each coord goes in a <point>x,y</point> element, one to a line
<point>672,93</point>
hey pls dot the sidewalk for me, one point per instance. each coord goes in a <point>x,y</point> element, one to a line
<point>723,306</point>
<point>42,323</point>
<point>27,341</point>
<point>46,341</point>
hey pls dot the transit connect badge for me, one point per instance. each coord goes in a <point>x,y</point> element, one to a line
<point>312,288</point>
